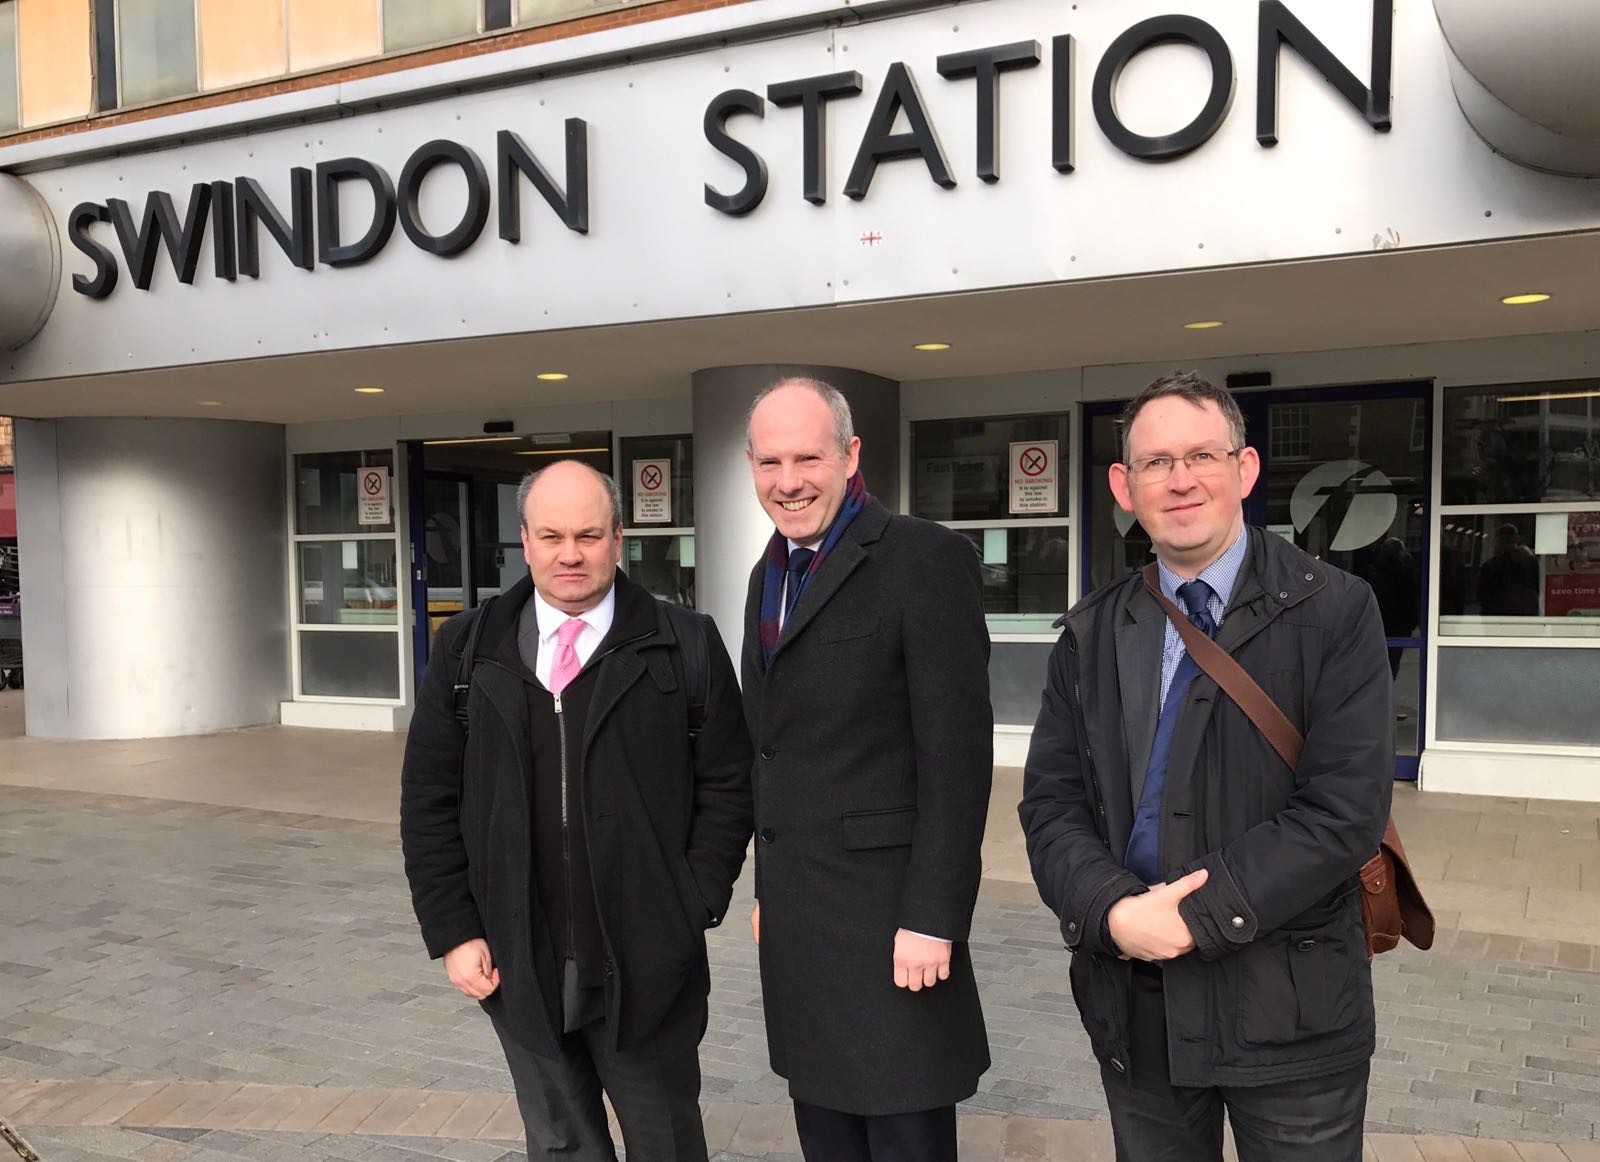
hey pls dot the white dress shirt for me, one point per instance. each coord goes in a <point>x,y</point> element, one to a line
<point>597,623</point>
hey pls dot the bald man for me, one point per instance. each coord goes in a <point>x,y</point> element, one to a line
<point>569,842</point>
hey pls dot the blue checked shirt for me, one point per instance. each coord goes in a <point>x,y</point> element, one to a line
<point>1222,576</point>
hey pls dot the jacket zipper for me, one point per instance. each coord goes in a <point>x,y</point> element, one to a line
<point>1088,751</point>
<point>566,831</point>
<point>566,819</point>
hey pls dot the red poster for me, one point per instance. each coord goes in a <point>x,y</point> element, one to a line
<point>1571,593</point>
<point>8,506</point>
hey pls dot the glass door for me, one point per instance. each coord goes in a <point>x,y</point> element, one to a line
<point>1345,476</point>
<point>466,543</point>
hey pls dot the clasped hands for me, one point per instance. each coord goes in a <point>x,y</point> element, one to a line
<point>919,962</point>
<point>1148,926</point>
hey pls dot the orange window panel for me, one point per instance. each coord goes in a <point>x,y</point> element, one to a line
<point>241,41</point>
<point>332,32</point>
<point>53,58</point>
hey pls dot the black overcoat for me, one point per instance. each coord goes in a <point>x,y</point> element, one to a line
<point>874,752</point>
<point>668,818</point>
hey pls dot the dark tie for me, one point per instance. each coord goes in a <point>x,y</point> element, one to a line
<point>1144,842</point>
<point>795,579</point>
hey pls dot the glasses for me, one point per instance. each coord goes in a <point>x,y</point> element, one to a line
<point>1205,463</point>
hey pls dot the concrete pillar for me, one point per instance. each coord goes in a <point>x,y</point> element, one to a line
<point>154,562</point>
<point>30,257</point>
<point>731,529</point>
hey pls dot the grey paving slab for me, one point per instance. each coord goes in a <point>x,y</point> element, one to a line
<point>167,941</point>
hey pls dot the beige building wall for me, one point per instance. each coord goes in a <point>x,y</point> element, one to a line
<point>333,32</point>
<point>53,58</point>
<point>241,41</point>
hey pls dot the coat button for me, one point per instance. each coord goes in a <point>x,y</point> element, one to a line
<point>769,752</point>
<point>1072,925</point>
<point>1118,1066</point>
<point>1306,945</point>
<point>768,835</point>
<point>1284,596</point>
<point>1237,921</point>
<point>1311,576</point>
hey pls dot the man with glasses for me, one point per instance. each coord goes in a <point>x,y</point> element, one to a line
<point>1207,892</point>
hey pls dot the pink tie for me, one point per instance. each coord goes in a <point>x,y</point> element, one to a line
<point>566,664</point>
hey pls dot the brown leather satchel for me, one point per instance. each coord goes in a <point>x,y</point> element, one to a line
<point>1391,903</point>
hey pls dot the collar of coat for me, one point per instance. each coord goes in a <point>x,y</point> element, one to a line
<point>635,617</point>
<point>1276,572</point>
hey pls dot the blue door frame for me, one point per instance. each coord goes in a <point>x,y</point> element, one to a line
<point>1256,406</point>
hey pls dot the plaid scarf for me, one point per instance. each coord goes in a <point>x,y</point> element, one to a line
<point>855,499</point>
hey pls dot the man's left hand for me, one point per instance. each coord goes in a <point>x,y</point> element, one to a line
<point>919,962</point>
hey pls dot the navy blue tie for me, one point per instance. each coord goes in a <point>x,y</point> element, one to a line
<point>1143,857</point>
<point>795,578</point>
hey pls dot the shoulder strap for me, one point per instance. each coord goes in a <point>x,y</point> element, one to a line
<point>1230,675</point>
<point>690,631</point>
<point>469,654</point>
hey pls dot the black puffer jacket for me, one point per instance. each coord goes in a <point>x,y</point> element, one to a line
<point>1278,987</point>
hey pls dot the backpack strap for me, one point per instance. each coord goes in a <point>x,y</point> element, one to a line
<point>690,630</point>
<point>469,655</point>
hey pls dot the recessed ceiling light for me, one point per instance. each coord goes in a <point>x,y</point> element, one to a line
<point>209,403</point>
<point>1203,325</point>
<point>551,376</point>
<point>1524,300</point>
<point>370,390</point>
<point>930,346</point>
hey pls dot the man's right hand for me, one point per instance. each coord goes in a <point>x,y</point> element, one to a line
<point>1148,926</point>
<point>472,969</point>
<point>755,923</point>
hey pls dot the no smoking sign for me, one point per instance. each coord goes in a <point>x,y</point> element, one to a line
<point>652,492</point>
<point>1035,477</point>
<point>372,496</point>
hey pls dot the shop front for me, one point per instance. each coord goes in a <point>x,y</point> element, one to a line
<point>296,357</point>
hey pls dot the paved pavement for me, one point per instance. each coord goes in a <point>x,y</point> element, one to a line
<point>193,980</point>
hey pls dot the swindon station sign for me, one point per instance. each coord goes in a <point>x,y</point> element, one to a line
<point>228,216</point>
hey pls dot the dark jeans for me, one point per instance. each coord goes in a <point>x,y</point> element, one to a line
<point>1314,1120</point>
<point>655,1090</point>
<point>830,1136</point>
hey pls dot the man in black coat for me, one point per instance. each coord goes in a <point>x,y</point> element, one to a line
<point>1208,893</point>
<point>568,850</point>
<point>865,669</point>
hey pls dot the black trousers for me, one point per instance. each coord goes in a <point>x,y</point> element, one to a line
<point>655,1090</point>
<point>830,1136</point>
<point>1315,1120</point>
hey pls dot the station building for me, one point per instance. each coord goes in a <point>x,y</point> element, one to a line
<point>296,290</point>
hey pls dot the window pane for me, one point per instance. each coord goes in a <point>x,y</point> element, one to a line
<point>1489,694</point>
<point>1119,543</point>
<point>412,23</point>
<point>349,665</point>
<point>348,583</point>
<point>676,483</point>
<point>1534,574</point>
<point>1017,672</point>
<point>156,49</point>
<point>961,469</point>
<point>1024,576</point>
<point>662,566</point>
<point>8,66</point>
<point>325,487</point>
<point>1522,444</point>
<point>541,11</point>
